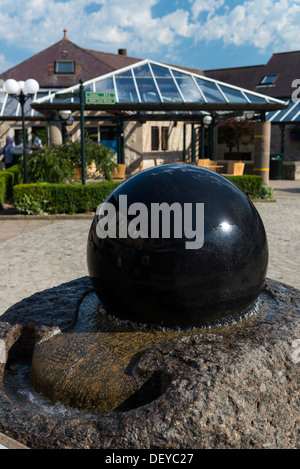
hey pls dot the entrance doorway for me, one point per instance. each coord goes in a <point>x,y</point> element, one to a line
<point>108,136</point>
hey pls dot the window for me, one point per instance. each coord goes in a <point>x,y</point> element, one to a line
<point>164,138</point>
<point>154,138</point>
<point>64,67</point>
<point>268,80</point>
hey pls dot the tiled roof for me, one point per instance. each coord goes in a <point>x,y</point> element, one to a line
<point>88,64</point>
<point>285,65</point>
<point>246,77</point>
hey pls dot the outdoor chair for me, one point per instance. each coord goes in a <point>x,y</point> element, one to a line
<point>145,164</point>
<point>235,168</point>
<point>209,164</point>
<point>203,162</point>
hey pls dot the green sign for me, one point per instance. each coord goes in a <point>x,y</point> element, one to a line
<point>99,98</point>
<point>67,95</point>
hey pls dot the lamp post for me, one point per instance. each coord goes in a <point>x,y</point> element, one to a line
<point>66,119</point>
<point>22,90</point>
<point>206,122</point>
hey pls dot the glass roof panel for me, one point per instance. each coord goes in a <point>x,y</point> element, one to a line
<point>27,107</point>
<point>168,90</point>
<point>160,72</point>
<point>105,85</point>
<point>188,88</point>
<point>255,99</point>
<point>142,71</point>
<point>89,87</point>
<point>125,74</point>
<point>39,95</point>
<point>11,106</point>
<point>292,113</point>
<point>165,82</point>
<point>147,89</point>
<point>269,115</point>
<point>233,95</point>
<point>210,91</point>
<point>126,90</point>
<point>61,100</point>
<point>2,97</point>
<point>153,82</point>
<point>280,114</point>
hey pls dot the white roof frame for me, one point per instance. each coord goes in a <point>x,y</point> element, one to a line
<point>244,92</point>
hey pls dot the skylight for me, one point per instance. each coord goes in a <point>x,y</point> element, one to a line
<point>64,66</point>
<point>268,80</point>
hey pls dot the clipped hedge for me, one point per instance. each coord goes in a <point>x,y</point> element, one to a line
<point>8,179</point>
<point>62,198</point>
<point>78,198</point>
<point>249,184</point>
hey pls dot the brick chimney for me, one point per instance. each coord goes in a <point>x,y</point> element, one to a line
<point>122,51</point>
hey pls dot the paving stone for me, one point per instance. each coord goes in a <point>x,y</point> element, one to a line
<point>41,256</point>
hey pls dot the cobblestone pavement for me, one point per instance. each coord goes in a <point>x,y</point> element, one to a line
<point>38,254</point>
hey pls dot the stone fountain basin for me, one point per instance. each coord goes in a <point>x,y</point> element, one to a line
<point>232,386</point>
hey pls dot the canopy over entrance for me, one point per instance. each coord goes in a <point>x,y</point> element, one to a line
<point>156,87</point>
<point>151,90</point>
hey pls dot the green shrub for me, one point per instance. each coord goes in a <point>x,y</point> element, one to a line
<point>266,193</point>
<point>2,191</point>
<point>62,198</point>
<point>27,204</point>
<point>250,185</point>
<point>8,178</point>
<point>57,163</point>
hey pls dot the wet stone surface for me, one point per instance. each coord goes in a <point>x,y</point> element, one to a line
<point>233,386</point>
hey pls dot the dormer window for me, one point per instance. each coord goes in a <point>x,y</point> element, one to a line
<point>64,66</point>
<point>268,80</point>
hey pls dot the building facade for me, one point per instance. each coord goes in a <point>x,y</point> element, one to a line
<point>278,78</point>
<point>177,135</point>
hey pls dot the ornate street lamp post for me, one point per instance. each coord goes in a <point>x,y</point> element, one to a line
<point>22,91</point>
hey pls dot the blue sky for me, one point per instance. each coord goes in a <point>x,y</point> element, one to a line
<point>202,34</point>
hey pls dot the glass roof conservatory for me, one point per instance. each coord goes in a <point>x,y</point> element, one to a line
<point>288,115</point>
<point>149,85</point>
<point>10,107</point>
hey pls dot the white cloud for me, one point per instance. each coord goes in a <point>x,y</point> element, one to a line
<point>111,24</point>
<point>260,23</point>
<point>4,63</point>
<point>200,6</point>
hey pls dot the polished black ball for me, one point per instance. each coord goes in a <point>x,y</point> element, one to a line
<point>181,267</point>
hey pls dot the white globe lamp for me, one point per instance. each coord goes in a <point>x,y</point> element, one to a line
<point>11,86</point>
<point>207,120</point>
<point>31,86</point>
<point>22,91</point>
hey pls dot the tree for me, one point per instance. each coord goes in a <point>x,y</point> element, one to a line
<point>57,163</point>
<point>236,132</point>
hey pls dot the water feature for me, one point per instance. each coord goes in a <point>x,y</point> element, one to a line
<point>189,362</point>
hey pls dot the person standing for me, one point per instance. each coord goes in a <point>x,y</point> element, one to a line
<point>8,152</point>
<point>36,142</point>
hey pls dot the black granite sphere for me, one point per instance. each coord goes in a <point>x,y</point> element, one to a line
<point>177,245</point>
